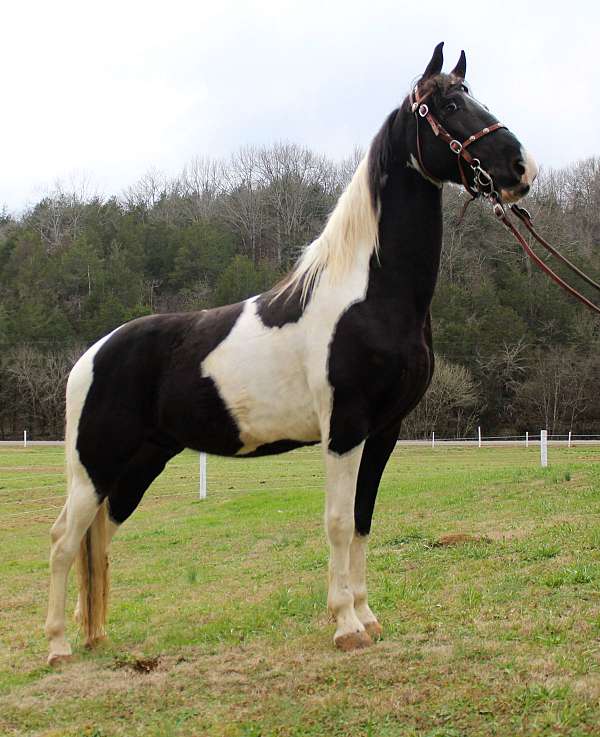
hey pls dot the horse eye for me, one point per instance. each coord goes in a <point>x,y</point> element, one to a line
<point>450,107</point>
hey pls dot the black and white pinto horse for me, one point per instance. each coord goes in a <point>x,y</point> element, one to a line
<point>338,353</point>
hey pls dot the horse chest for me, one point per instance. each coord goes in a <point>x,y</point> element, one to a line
<point>378,373</point>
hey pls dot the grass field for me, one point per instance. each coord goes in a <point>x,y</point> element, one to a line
<point>218,624</point>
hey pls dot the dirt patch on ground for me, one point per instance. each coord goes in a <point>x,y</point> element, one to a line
<point>138,665</point>
<point>89,680</point>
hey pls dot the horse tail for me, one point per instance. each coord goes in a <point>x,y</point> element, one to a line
<point>94,578</point>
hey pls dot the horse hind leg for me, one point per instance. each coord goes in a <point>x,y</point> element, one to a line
<point>80,510</point>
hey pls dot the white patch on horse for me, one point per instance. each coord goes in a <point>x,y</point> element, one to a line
<point>274,380</point>
<point>531,168</point>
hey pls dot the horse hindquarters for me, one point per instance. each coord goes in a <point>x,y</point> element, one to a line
<point>109,466</point>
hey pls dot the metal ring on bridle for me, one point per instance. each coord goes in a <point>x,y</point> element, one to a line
<point>483,178</point>
<point>423,111</point>
<point>456,146</point>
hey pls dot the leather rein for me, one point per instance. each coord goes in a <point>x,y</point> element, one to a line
<point>483,186</point>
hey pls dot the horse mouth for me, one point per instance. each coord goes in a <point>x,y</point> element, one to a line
<point>515,194</point>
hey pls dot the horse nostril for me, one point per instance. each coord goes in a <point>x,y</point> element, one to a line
<point>519,167</point>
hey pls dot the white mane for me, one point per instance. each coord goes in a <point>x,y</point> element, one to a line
<point>351,229</point>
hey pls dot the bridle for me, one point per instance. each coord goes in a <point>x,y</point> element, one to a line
<point>483,185</point>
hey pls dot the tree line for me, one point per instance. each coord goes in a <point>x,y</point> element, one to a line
<point>513,352</point>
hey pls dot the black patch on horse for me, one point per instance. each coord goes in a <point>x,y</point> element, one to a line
<point>279,446</point>
<point>381,358</point>
<point>282,305</point>
<point>148,399</point>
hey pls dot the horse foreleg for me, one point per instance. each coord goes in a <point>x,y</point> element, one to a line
<point>342,472</point>
<point>374,458</point>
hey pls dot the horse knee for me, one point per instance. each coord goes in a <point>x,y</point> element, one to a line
<point>340,527</point>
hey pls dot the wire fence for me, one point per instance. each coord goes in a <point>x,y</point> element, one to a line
<point>425,439</point>
<point>198,480</point>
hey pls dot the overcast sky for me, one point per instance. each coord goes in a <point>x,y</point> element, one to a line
<point>108,90</point>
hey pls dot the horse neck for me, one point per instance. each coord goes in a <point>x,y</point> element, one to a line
<point>410,240</point>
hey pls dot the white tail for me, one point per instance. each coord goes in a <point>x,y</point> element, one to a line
<point>93,578</point>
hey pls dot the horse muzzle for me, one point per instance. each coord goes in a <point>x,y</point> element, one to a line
<point>527,170</point>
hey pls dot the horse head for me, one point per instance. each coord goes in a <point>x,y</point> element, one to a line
<point>451,136</point>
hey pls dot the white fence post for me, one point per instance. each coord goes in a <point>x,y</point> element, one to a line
<point>24,438</point>
<point>527,438</point>
<point>433,438</point>
<point>569,444</point>
<point>544,447</point>
<point>479,435</point>
<point>202,493</point>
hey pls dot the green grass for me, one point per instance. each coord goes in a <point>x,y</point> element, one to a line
<point>218,624</point>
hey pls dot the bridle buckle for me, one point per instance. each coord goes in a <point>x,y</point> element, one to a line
<point>423,111</point>
<point>456,146</point>
<point>499,210</point>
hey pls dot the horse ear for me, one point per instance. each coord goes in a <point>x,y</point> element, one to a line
<point>435,65</point>
<point>460,69</point>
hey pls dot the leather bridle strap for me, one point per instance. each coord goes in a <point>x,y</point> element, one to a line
<point>421,110</point>
<point>523,215</point>
<point>484,185</point>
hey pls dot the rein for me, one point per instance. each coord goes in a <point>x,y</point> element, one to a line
<point>524,216</point>
<point>483,185</point>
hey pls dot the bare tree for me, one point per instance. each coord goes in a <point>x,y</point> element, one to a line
<point>40,379</point>
<point>202,187</point>
<point>243,207</point>
<point>58,215</point>
<point>450,406</point>
<point>561,387</point>
<point>295,182</point>
<point>146,193</point>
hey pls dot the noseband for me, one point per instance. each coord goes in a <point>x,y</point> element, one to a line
<point>483,185</point>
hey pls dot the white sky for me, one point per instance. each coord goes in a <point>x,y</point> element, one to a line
<point>108,90</point>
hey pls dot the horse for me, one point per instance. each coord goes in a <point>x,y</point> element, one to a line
<point>339,353</point>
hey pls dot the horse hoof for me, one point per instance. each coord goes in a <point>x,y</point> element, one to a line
<point>374,629</point>
<point>56,659</point>
<point>353,641</point>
